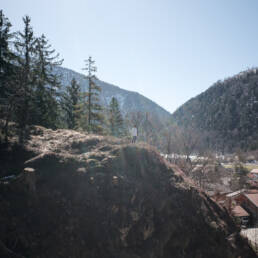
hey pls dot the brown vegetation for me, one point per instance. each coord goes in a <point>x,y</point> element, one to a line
<point>92,196</point>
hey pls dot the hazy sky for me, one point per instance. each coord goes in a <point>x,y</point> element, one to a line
<point>167,50</point>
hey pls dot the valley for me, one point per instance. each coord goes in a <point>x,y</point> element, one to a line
<point>89,169</point>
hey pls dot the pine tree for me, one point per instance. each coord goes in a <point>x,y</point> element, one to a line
<point>7,72</point>
<point>72,101</point>
<point>45,111</point>
<point>25,48</point>
<point>93,108</point>
<point>116,123</point>
<point>6,55</point>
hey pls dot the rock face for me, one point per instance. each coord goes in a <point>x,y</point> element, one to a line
<point>91,196</point>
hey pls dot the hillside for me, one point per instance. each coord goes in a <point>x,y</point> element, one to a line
<point>93,196</point>
<point>228,111</point>
<point>129,101</point>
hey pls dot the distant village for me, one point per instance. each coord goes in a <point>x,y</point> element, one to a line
<point>230,182</point>
<point>243,203</point>
<point>243,206</point>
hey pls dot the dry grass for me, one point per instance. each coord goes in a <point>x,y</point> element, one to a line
<point>248,166</point>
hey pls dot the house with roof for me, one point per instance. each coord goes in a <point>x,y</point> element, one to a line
<point>252,177</point>
<point>232,202</point>
<point>250,204</point>
<point>253,174</point>
<point>235,195</point>
<point>243,204</point>
<point>241,215</point>
<point>227,199</point>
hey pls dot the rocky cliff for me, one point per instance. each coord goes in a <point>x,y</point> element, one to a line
<point>90,196</point>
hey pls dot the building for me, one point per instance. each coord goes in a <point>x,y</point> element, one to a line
<point>234,198</point>
<point>250,203</point>
<point>235,195</point>
<point>243,204</point>
<point>241,215</point>
<point>254,174</point>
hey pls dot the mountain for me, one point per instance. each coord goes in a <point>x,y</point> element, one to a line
<point>129,101</point>
<point>78,195</point>
<point>227,111</point>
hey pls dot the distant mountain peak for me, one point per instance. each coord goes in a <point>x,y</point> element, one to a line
<point>129,101</point>
<point>227,111</point>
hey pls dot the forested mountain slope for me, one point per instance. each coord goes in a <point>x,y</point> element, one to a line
<point>227,111</point>
<point>129,101</point>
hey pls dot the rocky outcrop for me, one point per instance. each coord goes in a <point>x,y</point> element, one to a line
<point>93,196</point>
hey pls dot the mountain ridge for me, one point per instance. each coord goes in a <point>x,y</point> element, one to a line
<point>227,111</point>
<point>130,101</point>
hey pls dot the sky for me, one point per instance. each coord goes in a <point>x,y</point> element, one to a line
<point>167,50</point>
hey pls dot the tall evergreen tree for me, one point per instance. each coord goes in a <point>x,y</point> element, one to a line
<point>45,111</point>
<point>72,105</point>
<point>116,123</point>
<point>6,55</point>
<point>25,48</point>
<point>7,72</point>
<point>92,106</point>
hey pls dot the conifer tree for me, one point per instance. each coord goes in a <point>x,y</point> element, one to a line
<point>72,105</point>
<point>25,48</point>
<point>6,55</point>
<point>7,72</point>
<point>45,111</point>
<point>92,106</point>
<point>115,118</point>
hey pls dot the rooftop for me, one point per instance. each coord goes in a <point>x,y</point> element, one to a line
<point>253,198</point>
<point>254,171</point>
<point>238,211</point>
<point>235,193</point>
